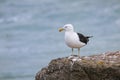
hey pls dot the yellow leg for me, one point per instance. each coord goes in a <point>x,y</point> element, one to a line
<point>78,51</point>
<point>72,51</point>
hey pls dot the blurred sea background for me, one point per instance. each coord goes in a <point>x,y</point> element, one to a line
<point>29,37</point>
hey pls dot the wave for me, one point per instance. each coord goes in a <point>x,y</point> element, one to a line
<point>14,19</point>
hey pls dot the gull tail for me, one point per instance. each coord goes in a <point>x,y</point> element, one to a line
<point>89,36</point>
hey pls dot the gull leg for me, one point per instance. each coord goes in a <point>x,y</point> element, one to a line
<point>78,51</point>
<point>72,51</point>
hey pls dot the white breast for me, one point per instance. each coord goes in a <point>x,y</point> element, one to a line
<point>72,40</point>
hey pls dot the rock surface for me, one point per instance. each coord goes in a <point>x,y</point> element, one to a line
<point>104,66</point>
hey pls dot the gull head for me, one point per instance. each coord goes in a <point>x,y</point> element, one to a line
<point>67,27</point>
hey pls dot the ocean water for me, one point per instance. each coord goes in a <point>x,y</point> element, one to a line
<point>29,36</point>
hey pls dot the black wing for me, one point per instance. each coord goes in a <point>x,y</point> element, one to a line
<point>83,38</point>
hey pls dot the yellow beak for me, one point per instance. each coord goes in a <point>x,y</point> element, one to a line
<point>61,29</point>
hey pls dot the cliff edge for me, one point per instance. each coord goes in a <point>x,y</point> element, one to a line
<point>104,66</point>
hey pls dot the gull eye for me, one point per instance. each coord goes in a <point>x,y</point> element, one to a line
<point>65,26</point>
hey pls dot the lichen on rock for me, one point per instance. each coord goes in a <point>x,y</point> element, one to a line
<point>96,67</point>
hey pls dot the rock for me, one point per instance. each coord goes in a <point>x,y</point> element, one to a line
<point>96,67</point>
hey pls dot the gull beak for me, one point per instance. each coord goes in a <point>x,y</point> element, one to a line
<point>61,29</point>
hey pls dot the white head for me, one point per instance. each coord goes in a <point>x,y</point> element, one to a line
<point>67,27</point>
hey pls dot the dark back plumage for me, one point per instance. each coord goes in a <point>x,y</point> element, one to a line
<point>83,38</point>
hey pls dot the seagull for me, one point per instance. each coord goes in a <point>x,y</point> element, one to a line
<point>74,39</point>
